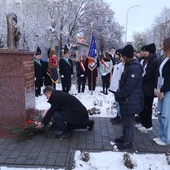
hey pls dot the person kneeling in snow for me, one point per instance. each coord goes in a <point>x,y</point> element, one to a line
<point>67,111</point>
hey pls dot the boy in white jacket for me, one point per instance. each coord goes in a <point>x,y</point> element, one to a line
<point>114,85</point>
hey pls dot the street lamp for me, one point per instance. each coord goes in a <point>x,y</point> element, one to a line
<point>127,19</point>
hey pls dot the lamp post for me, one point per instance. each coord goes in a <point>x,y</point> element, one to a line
<point>127,19</point>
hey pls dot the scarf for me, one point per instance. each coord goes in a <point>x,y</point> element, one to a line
<point>117,60</point>
<point>104,63</point>
<point>38,62</point>
<point>67,61</point>
<point>82,66</point>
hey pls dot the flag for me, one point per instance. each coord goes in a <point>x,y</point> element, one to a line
<point>52,65</point>
<point>53,62</point>
<point>92,55</point>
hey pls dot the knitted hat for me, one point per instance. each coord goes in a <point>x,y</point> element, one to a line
<point>38,52</point>
<point>142,49</point>
<point>128,51</point>
<point>66,49</point>
<point>150,48</point>
<point>118,51</point>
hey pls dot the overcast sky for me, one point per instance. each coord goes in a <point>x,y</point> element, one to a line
<point>139,18</point>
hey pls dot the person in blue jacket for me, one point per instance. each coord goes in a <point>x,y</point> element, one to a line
<point>130,96</point>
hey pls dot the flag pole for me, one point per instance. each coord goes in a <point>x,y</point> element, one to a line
<point>91,70</point>
<point>92,59</point>
<point>91,82</point>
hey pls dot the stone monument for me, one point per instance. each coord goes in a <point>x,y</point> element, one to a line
<point>17,91</point>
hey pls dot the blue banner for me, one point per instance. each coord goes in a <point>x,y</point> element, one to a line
<point>92,55</point>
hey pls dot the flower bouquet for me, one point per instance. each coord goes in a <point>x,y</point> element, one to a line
<point>29,129</point>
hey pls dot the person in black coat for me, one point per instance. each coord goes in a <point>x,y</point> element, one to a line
<point>38,72</point>
<point>91,75</point>
<point>66,71</point>
<point>81,74</point>
<point>129,96</point>
<point>67,111</point>
<point>150,65</point>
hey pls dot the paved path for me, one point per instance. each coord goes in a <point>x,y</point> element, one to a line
<point>51,152</point>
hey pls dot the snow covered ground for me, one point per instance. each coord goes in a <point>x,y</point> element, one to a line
<point>114,160</point>
<point>97,100</point>
<point>104,160</point>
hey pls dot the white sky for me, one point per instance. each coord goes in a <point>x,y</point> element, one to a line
<point>139,18</point>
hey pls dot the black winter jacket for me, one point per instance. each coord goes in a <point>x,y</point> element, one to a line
<point>166,75</point>
<point>66,69</point>
<point>68,106</point>
<point>130,94</point>
<point>150,75</point>
<point>39,73</point>
<point>79,70</point>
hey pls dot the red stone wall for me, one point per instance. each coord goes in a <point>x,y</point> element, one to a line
<point>17,92</point>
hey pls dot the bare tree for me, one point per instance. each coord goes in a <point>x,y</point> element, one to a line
<point>64,21</point>
<point>139,40</point>
<point>100,18</point>
<point>3,24</point>
<point>161,26</point>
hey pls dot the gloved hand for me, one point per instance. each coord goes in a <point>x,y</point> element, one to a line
<point>103,74</point>
<point>72,75</point>
<point>62,76</point>
<point>82,75</point>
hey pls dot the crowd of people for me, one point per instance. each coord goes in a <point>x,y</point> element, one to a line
<point>135,79</point>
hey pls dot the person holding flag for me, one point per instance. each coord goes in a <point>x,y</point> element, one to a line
<point>92,63</point>
<point>106,66</point>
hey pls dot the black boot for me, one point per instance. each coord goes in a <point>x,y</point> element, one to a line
<point>114,119</point>
<point>63,135</point>
<point>90,125</point>
<point>120,140</point>
<point>126,145</point>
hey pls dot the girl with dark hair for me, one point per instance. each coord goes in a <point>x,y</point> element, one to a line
<point>81,74</point>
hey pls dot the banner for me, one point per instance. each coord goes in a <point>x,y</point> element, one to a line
<point>53,64</point>
<point>92,55</point>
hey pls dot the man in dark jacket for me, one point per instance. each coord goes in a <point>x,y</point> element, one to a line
<point>66,70</point>
<point>38,72</point>
<point>130,96</point>
<point>67,111</point>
